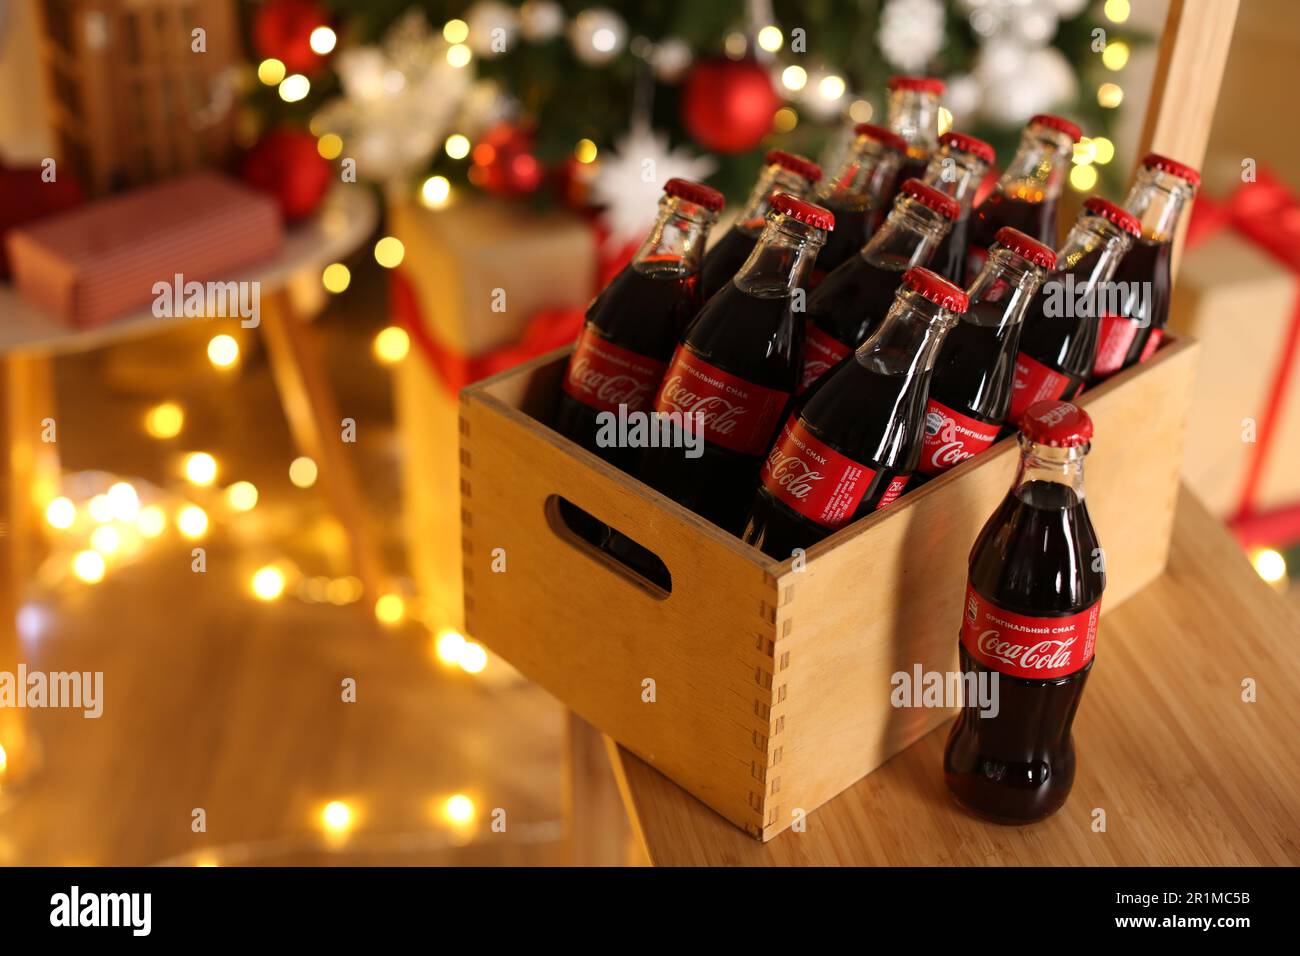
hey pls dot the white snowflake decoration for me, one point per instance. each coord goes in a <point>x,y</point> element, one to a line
<point>911,32</point>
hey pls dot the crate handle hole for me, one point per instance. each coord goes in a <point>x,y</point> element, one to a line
<point>619,552</point>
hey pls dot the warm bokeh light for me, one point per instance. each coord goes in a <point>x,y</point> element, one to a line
<point>458,810</point>
<point>389,252</point>
<point>100,508</point>
<point>585,152</point>
<point>151,522</point>
<point>336,277</point>
<point>435,191</point>
<point>200,468</point>
<point>342,591</point>
<point>106,539</point>
<point>124,500</point>
<point>831,87</point>
<point>1104,150</point>
<point>945,120</point>
<point>89,566</point>
<point>223,351</point>
<point>270,72</point>
<point>1115,56</point>
<point>459,55</point>
<point>294,88</point>
<point>770,38</point>
<point>1269,565</point>
<point>785,119</point>
<point>1083,178</point>
<point>164,420</point>
<point>457,146</point>
<point>794,77</point>
<point>448,645</point>
<point>268,583</point>
<point>4,759</point>
<point>336,817</point>
<point>1110,95</point>
<point>322,40</point>
<point>61,513</point>
<point>303,472</point>
<point>1085,151</point>
<point>390,609</point>
<point>861,111</point>
<point>192,522</point>
<point>242,496</point>
<point>473,658</point>
<point>1116,11</point>
<point>330,146</point>
<point>455,31</point>
<point>391,345</point>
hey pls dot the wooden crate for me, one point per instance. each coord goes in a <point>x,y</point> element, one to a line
<point>771,685</point>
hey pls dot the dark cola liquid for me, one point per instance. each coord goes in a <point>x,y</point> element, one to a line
<point>724,259</point>
<point>1034,557</point>
<point>1034,219</point>
<point>853,227</point>
<point>643,309</point>
<point>949,260</point>
<point>853,300</point>
<point>1146,262</point>
<point>751,337</point>
<point>871,414</point>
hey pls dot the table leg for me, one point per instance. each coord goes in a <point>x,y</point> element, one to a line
<point>598,830</point>
<point>314,419</point>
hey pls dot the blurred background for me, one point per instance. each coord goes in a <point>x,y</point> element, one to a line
<point>277,612</point>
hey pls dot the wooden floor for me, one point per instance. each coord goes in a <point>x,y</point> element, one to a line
<point>217,701</point>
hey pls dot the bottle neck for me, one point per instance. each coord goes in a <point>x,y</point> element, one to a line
<point>914,115</point>
<point>675,244</point>
<point>1037,172</point>
<point>781,259</point>
<point>908,340</point>
<point>908,236</point>
<point>1044,463</point>
<point>1158,199</point>
<point>1093,250</point>
<point>956,174</point>
<point>862,179</point>
<point>772,179</point>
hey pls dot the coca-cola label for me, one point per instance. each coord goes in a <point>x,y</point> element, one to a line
<point>1152,343</point>
<point>1114,336</point>
<point>818,482</point>
<point>951,437</point>
<point>736,414</point>
<point>1035,382</point>
<point>605,376</point>
<point>821,353</point>
<point>1037,648</point>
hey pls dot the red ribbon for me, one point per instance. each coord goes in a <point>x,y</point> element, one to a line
<point>546,330</point>
<point>1268,214</point>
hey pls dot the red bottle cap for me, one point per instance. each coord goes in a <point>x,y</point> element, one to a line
<point>922,84</point>
<point>698,193</point>
<point>1058,424</point>
<point>1026,247</point>
<point>886,137</point>
<point>931,198</point>
<point>1112,213</point>
<point>796,164</point>
<point>965,143</point>
<point>936,288</point>
<point>1059,124</point>
<point>1172,166</point>
<point>808,213</point>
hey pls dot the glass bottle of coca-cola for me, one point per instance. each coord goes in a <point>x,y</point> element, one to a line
<point>1029,625</point>
<point>857,194</point>
<point>852,301</point>
<point>1059,340</point>
<point>634,323</point>
<point>1027,194</point>
<point>914,115</point>
<point>734,372</point>
<point>782,172</point>
<point>971,388</point>
<point>853,445</point>
<point>1162,189</point>
<point>957,168</point>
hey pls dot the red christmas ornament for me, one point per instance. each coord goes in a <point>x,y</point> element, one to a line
<point>285,164</point>
<point>504,163</point>
<point>282,29</point>
<point>728,105</point>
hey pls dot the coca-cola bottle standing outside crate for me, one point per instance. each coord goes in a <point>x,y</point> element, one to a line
<point>1059,340</point>
<point>851,302</point>
<point>634,323</point>
<point>1028,191</point>
<point>957,168</point>
<point>1029,624</point>
<point>736,368</point>
<point>914,115</point>
<point>782,172</point>
<point>857,194</point>
<point>970,392</point>
<point>855,442</point>
<point>1162,189</point>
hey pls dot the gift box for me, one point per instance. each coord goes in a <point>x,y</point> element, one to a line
<point>103,260</point>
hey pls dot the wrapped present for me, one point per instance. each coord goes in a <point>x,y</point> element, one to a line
<point>1238,292</point>
<point>25,197</point>
<point>103,260</point>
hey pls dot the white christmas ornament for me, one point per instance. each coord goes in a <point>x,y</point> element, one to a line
<point>1065,9</point>
<point>541,20</point>
<point>962,95</point>
<point>911,32</point>
<point>598,35</point>
<point>493,27</point>
<point>670,59</point>
<point>631,179</point>
<point>1045,81</point>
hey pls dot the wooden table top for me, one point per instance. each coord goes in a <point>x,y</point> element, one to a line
<point>1186,771</point>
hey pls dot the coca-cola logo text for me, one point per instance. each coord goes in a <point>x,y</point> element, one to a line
<point>612,389</point>
<point>1045,655</point>
<point>792,473</point>
<point>717,413</point>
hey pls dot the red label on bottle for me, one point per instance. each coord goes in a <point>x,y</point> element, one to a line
<point>605,376</point>
<point>1037,648</point>
<point>1152,343</point>
<point>815,480</point>
<point>821,352</point>
<point>951,437</point>
<point>738,415</point>
<point>896,486</point>
<point>1035,382</point>
<point>1114,336</point>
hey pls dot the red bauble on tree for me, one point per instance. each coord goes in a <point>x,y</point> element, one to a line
<point>282,30</point>
<point>728,105</point>
<point>285,164</point>
<point>504,163</point>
